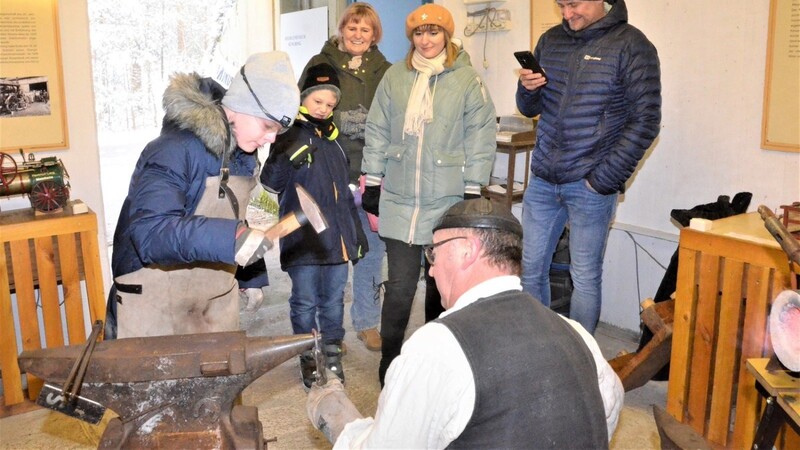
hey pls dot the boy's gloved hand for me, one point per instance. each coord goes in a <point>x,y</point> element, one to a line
<point>250,245</point>
<point>363,244</point>
<point>253,297</point>
<point>300,156</point>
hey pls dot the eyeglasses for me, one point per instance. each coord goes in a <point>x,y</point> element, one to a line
<point>285,122</point>
<point>429,249</point>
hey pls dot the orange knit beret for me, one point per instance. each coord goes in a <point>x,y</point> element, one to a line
<point>430,14</point>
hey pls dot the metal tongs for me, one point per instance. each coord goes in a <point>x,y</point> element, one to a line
<point>320,359</point>
<point>67,400</point>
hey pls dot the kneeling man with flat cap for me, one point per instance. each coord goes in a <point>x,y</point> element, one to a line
<point>496,370</point>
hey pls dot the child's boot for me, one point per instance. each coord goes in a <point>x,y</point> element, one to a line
<point>308,369</point>
<point>333,353</point>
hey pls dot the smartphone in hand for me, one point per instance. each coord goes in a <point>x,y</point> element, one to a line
<point>528,61</point>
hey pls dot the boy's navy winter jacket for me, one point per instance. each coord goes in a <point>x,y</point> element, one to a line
<point>326,179</point>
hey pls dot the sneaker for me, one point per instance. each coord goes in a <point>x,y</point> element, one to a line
<point>371,339</point>
<point>333,353</point>
<point>308,369</point>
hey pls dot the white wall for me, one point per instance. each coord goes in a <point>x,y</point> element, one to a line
<point>712,64</point>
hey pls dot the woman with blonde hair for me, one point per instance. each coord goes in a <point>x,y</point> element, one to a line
<point>431,141</point>
<point>354,54</point>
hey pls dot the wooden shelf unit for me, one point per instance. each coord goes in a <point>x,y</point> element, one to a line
<point>42,252</point>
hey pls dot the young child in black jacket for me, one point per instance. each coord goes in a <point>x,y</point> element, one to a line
<point>309,155</point>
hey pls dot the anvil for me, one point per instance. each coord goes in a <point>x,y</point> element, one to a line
<point>173,391</point>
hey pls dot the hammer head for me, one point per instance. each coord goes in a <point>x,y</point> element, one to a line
<point>310,210</point>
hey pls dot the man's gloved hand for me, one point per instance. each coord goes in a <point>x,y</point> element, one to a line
<point>353,122</point>
<point>301,156</point>
<point>250,245</point>
<point>329,409</point>
<point>370,199</point>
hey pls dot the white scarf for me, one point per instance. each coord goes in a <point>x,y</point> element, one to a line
<point>420,103</point>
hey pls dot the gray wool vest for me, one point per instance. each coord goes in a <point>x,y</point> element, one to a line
<point>535,379</point>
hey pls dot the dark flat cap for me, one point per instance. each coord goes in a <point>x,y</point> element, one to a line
<point>479,213</point>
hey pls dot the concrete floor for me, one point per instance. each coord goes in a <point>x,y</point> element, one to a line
<point>280,397</point>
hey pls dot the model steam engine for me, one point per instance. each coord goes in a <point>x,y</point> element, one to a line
<point>44,181</point>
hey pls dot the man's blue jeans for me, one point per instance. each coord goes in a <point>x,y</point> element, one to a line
<point>365,311</point>
<point>546,209</point>
<point>318,294</point>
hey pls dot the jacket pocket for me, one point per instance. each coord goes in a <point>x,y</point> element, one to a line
<point>448,174</point>
<point>400,171</point>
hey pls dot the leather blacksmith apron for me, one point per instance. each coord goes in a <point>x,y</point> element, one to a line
<point>199,297</point>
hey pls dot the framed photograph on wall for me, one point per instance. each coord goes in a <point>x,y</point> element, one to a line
<point>33,113</point>
<point>780,126</point>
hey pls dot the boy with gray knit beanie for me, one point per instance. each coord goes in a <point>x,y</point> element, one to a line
<point>181,232</point>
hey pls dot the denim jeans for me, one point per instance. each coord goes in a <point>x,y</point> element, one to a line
<point>365,311</point>
<point>404,261</point>
<point>546,209</point>
<point>317,300</point>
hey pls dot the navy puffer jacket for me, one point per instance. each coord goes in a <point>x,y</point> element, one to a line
<point>601,107</point>
<point>157,224</point>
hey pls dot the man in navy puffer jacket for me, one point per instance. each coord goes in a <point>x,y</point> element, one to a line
<point>600,106</point>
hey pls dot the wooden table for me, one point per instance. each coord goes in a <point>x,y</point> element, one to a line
<point>512,149</point>
<point>45,252</point>
<point>781,391</point>
<point>727,280</point>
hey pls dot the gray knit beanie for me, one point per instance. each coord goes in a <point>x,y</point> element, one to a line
<point>272,80</point>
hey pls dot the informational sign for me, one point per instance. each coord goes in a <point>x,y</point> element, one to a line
<point>33,115</point>
<point>303,33</point>
<point>780,128</point>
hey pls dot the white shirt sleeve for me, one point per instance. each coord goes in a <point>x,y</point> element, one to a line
<point>610,385</point>
<point>427,400</point>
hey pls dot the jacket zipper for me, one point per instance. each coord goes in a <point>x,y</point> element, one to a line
<point>417,177</point>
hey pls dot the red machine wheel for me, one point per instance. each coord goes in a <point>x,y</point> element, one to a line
<point>8,171</point>
<point>47,196</point>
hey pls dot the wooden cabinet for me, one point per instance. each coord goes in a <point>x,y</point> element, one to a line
<point>52,265</point>
<point>727,280</point>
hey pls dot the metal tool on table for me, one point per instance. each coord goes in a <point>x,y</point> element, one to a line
<point>172,391</point>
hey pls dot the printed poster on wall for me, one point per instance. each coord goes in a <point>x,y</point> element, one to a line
<point>300,40</point>
<point>780,127</point>
<point>32,107</point>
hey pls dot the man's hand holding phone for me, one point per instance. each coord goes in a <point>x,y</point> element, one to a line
<point>531,76</point>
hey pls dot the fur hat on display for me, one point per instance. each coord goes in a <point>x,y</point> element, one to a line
<point>430,14</point>
<point>321,76</point>
<point>265,87</point>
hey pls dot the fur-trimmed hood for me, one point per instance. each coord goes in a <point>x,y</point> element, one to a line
<point>192,103</point>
